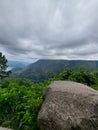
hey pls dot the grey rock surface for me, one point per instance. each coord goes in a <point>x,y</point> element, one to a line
<point>2,128</point>
<point>69,106</point>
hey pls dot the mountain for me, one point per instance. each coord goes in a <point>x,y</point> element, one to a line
<point>45,69</point>
<point>17,65</point>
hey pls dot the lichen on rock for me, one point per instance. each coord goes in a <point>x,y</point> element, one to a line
<point>69,106</point>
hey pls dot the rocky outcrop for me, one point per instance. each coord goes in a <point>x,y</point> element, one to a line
<point>69,106</point>
<point>2,128</point>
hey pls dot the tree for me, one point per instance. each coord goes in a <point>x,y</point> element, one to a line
<point>3,66</point>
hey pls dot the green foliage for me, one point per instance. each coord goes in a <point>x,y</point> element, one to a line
<point>3,67</point>
<point>64,74</point>
<point>83,76</point>
<point>20,101</point>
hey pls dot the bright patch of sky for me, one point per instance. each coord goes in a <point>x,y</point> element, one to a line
<point>49,29</point>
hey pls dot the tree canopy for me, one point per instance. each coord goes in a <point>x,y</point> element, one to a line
<point>3,67</point>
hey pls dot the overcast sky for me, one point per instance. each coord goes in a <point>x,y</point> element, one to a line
<point>49,29</point>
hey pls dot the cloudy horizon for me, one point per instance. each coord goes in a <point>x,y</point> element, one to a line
<point>49,29</point>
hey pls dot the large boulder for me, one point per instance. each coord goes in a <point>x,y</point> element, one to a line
<point>69,106</point>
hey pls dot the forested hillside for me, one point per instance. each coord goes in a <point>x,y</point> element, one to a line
<point>45,69</point>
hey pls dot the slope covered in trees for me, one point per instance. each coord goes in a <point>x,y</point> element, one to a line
<point>45,69</point>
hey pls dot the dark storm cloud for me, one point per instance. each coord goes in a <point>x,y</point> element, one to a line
<point>49,29</point>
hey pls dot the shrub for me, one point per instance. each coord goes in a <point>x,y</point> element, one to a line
<point>20,101</point>
<point>83,76</point>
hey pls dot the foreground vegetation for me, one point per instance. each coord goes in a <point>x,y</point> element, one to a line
<point>20,99</point>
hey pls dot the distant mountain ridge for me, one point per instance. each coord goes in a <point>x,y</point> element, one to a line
<point>45,69</point>
<point>16,64</point>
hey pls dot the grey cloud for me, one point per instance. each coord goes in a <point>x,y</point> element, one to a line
<point>49,29</point>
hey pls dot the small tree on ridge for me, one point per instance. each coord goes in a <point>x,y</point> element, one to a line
<point>3,66</point>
